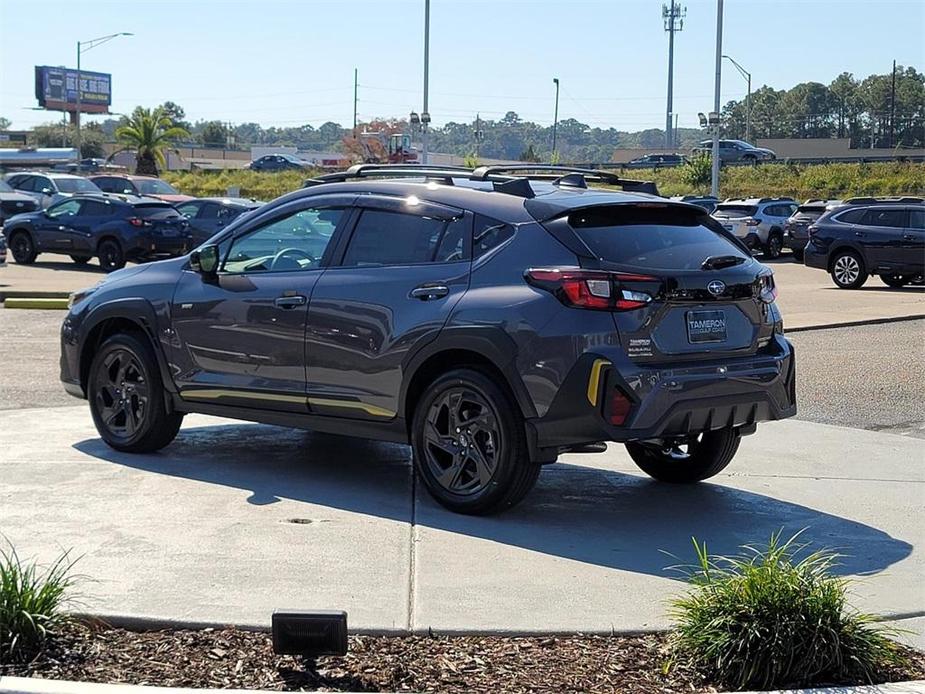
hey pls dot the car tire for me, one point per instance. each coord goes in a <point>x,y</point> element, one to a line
<point>110,255</point>
<point>81,259</point>
<point>22,248</point>
<point>848,270</point>
<point>469,443</point>
<point>896,281</point>
<point>750,159</point>
<point>127,396</point>
<point>775,244</point>
<point>706,455</point>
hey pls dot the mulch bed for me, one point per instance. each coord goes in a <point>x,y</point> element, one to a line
<point>230,658</point>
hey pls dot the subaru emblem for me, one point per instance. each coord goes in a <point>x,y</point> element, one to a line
<point>716,287</point>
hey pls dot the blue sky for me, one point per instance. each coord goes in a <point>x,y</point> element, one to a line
<point>289,62</point>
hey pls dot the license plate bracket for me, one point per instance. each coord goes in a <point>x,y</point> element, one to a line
<point>706,326</point>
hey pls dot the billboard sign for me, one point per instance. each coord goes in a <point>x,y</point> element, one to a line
<point>56,89</point>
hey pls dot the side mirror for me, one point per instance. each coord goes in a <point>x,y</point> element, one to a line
<point>204,260</point>
<point>47,191</point>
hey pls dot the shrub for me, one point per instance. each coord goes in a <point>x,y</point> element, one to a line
<point>765,619</point>
<point>698,171</point>
<point>31,603</point>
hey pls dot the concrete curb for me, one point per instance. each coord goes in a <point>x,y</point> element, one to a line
<point>852,324</point>
<point>36,302</point>
<point>28,294</point>
<point>31,685</point>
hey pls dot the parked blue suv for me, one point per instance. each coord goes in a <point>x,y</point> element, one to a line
<point>492,318</point>
<point>113,228</point>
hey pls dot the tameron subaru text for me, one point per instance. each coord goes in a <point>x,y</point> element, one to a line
<point>492,318</point>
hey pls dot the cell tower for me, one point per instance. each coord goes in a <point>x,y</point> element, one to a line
<point>673,15</point>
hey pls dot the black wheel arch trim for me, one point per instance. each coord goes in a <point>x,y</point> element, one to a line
<point>491,342</point>
<point>135,310</point>
<point>846,246</point>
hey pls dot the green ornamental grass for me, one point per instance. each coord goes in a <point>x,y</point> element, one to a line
<point>776,616</point>
<point>32,603</point>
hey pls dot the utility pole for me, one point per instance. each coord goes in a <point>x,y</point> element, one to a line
<point>354,103</point>
<point>673,16</point>
<point>478,133</point>
<point>892,103</point>
<point>555,118</point>
<point>83,46</point>
<point>748,97</point>
<point>425,114</point>
<point>714,177</point>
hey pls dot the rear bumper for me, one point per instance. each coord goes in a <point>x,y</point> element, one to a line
<point>678,400</point>
<point>160,247</point>
<point>813,257</point>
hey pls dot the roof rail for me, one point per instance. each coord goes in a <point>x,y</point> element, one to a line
<point>444,173</point>
<point>553,172</point>
<point>868,200</point>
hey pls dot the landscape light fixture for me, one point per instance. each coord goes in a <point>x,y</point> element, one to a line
<point>703,120</point>
<point>309,634</point>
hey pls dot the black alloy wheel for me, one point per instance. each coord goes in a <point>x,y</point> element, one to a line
<point>22,248</point>
<point>127,397</point>
<point>111,256</point>
<point>469,442</point>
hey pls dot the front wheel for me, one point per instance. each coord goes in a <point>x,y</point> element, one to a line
<point>470,448</point>
<point>127,398</point>
<point>848,270</point>
<point>692,460</point>
<point>775,244</point>
<point>22,248</point>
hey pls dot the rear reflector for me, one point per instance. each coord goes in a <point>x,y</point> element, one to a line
<point>595,289</point>
<point>620,406</point>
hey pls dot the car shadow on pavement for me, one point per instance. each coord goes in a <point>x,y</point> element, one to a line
<point>66,265</point>
<point>586,514</point>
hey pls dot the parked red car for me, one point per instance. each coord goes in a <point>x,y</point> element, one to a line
<point>149,186</point>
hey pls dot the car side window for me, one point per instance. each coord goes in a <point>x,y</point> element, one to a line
<point>394,238</point>
<point>291,243</point>
<point>40,184</point>
<point>885,218</point>
<point>93,208</point>
<point>917,219</point>
<point>489,233</point>
<point>68,208</point>
<point>189,209</point>
<point>851,216</point>
<point>209,211</point>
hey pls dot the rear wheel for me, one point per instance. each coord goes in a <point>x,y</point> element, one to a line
<point>127,398</point>
<point>22,248</point>
<point>896,280</point>
<point>111,255</point>
<point>81,259</point>
<point>694,459</point>
<point>775,243</point>
<point>848,270</point>
<point>470,450</point>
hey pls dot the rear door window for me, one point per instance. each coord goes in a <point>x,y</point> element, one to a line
<point>93,208</point>
<point>917,219</point>
<point>851,216</point>
<point>879,217</point>
<point>393,238</point>
<point>652,238</point>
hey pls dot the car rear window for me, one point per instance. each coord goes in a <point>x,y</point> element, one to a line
<point>735,210</point>
<point>156,211</point>
<point>810,211</point>
<point>155,187</point>
<point>652,238</point>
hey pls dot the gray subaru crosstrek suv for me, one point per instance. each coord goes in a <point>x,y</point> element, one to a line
<point>492,318</point>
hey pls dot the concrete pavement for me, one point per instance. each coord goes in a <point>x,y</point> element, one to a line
<point>233,520</point>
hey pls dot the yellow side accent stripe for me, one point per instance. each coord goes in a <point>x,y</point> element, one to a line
<point>594,380</point>
<point>353,404</point>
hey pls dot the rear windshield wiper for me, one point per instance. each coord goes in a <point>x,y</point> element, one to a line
<point>718,262</point>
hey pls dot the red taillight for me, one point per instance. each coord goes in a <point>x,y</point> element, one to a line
<point>811,230</point>
<point>136,222</point>
<point>620,406</point>
<point>594,289</point>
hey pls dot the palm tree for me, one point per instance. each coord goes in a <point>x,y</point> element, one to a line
<point>149,133</point>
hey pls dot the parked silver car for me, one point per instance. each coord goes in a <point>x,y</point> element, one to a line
<point>47,188</point>
<point>759,222</point>
<point>736,150</point>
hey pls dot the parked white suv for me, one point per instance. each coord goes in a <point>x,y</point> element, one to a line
<point>47,188</point>
<point>759,222</point>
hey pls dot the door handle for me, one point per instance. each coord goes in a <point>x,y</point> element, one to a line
<point>859,233</point>
<point>426,293</point>
<point>908,237</point>
<point>290,301</point>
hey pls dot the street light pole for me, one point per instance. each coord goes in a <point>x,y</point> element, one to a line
<point>82,47</point>
<point>714,176</point>
<point>425,114</point>
<point>555,118</point>
<point>748,98</point>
